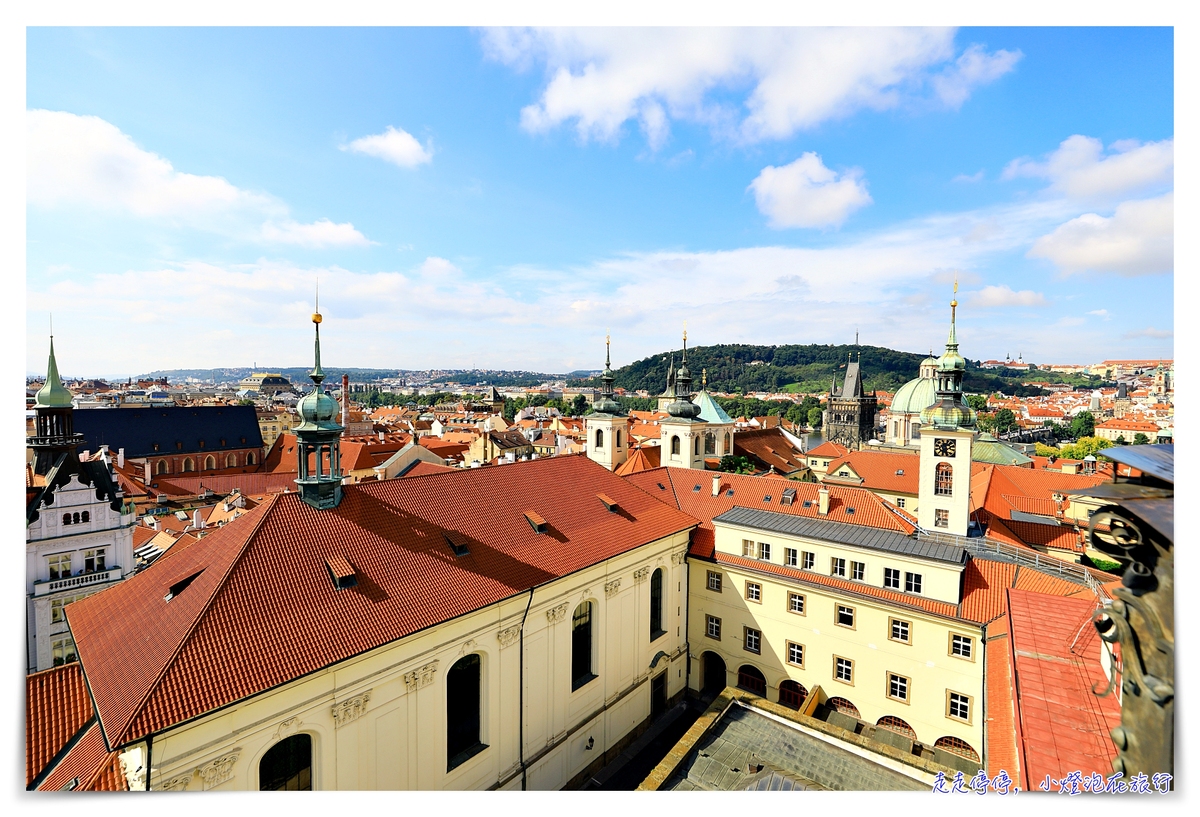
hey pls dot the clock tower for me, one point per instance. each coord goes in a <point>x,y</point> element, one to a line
<point>947,432</point>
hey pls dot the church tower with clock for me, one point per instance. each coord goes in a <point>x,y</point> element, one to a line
<point>947,431</point>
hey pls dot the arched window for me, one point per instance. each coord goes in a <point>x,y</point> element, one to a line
<point>231,461</point>
<point>713,672</point>
<point>957,746</point>
<point>752,680</point>
<point>160,467</point>
<point>250,458</point>
<point>462,711</point>
<point>75,518</point>
<point>792,694</point>
<point>710,443</point>
<point>943,480</point>
<point>86,516</point>
<point>656,604</point>
<point>287,766</point>
<point>727,450</point>
<point>599,438</point>
<point>210,462</point>
<point>843,706</point>
<point>66,518</point>
<point>581,646</point>
<point>188,465</point>
<point>618,443</point>
<point>675,446</point>
<point>697,446</point>
<point>897,725</point>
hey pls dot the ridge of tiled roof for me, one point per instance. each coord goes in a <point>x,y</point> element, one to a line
<point>828,449</point>
<point>261,610</point>
<point>877,469</point>
<point>89,765</point>
<point>999,734</point>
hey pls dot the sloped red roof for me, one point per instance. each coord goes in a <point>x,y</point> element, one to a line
<point>56,708</point>
<point>259,608</point>
<point>422,468</point>
<point>984,585</point>
<point>679,488</point>
<point>639,459</point>
<point>1064,725</point>
<point>881,470</point>
<point>999,734</point>
<point>828,449</point>
<point>273,482</point>
<point>771,448</point>
<point>89,762</point>
<point>142,534</point>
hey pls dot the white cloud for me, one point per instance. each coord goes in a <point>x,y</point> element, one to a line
<point>395,145</point>
<point>77,160</point>
<point>1081,169</point>
<point>806,193</point>
<point>974,68</point>
<point>1100,313</point>
<point>974,177</point>
<point>321,233</point>
<point>1004,295</point>
<point>1148,332</point>
<point>1138,239</point>
<point>788,79</point>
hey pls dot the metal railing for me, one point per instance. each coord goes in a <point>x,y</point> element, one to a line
<point>70,582</point>
<point>1026,557</point>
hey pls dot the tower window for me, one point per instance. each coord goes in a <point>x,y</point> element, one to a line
<point>599,438</point>
<point>581,645</point>
<point>943,480</point>
<point>675,446</point>
<point>941,518</point>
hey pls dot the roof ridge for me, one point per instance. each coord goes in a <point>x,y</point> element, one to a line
<point>140,707</point>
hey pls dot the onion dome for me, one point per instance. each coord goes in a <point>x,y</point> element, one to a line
<point>606,404</point>
<point>914,396</point>
<point>683,407</point>
<point>948,414</point>
<point>951,360</point>
<point>54,394</point>
<point>317,409</point>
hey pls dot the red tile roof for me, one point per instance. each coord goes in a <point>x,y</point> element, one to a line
<point>828,449</point>
<point>640,459</point>
<point>259,608</point>
<point>770,448</point>
<point>261,483</point>
<point>1064,725</point>
<point>748,491</point>
<point>881,470</point>
<point>984,586</point>
<point>89,762</point>
<point>422,468</point>
<point>999,734</point>
<point>56,708</point>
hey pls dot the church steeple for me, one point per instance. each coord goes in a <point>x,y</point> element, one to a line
<point>55,422</point>
<point>317,435</point>
<point>683,407</point>
<point>607,403</point>
<point>53,393</point>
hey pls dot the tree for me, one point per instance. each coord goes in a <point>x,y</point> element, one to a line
<point>985,422</point>
<point>738,464</point>
<point>1120,440</point>
<point>1140,439</point>
<point>244,402</point>
<point>814,418</point>
<point>1083,425</point>
<point>977,401</point>
<point>1005,420</point>
<point>579,405</point>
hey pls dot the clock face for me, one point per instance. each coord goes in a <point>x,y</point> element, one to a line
<point>943,448</point>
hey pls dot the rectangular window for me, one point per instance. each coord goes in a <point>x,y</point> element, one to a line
<point>753,640</point>
<point>714,581</point>
<point>713,628</point>
<point>810,559</point>
<point>93,560</point>
<point>958,706</point>
<point>837,567</point>
<point>899,502</point>
<point>891,578</point>
<point>56,609</point>
<point>796,603</point>
<point>845,616</point>
<point>843,670</point>
<point>900,630</point>
<point>748,549</point>
<point>63,651</point>
<point>764,550</point>
<point>795,654</point>
<point>753,591</point>
<point>790,557</point>
<point>962,645</point>
<point>912,582</point>
<point>941,518</point>
<point>897,687</point>
<point>857,571</point>
<point>60,566</point>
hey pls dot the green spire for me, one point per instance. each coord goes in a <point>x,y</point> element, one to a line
<point>53,393</point>
<point>317,374</point>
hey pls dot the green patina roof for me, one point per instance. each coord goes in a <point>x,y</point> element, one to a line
<point>987,448</point>
<point>53,393</point>
<point>710,410</point>
<point>915,395</point>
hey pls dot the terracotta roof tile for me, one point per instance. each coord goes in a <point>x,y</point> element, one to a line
<point>422,468</point>
<point>56,708</point>
<point>1000,737</point>
<point>770,448</point>
<point>828,449</point>
<point>90,763</point>
<point>881,470</point>
<point>984,584</point>
<point>259,609</point>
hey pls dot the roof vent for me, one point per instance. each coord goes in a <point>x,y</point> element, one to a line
<point>609,502</point>
<point>458,543</point>
<point>899,472</point>
<point>850,511</point>
<point>536,522</point>
<point>767,498</point>
<point>729,492</point>
<point>695,489</point>
<point>789,496</point>
<point>181,585</point>
<point>341,572</point>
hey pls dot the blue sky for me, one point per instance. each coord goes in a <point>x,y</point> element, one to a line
<point>502,198</point>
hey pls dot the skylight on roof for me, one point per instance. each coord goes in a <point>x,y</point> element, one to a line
<point>808,503</point>
<point>767,498</point>
<point>899,472</point>
<point>729,492</point>
<point>536,522</point>
<point>850,510</point>
<point>695,489</point>
<point>661,487</point>
<point>180,586</point>
<point>458,543</point>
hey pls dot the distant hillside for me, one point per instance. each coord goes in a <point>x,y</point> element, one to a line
<point>299,375</point>
<point>808,368</point>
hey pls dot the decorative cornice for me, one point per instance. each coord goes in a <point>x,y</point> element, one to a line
<point>556,614</point>
<point>508,636</point>
<point>135,775</point>
<point>179,783</point>
<point>640,574</point>
<point>350,709</point>
<point>420,677</point>
<point>678,558</point>
<point>610,588</point>
<point>288,727</point>
<point>216,772</point>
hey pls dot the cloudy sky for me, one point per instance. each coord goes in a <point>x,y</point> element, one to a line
<point>502,198</point>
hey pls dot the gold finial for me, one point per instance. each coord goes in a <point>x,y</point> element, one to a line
<point>685,331</point>
<point>316,318</point>
<point>704,377</point>
<point>954,302</point>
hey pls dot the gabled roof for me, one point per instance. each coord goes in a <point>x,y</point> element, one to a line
<point>771,449</point>
<point>94,474</point>
<point>828,449</point>
<point>880,470</point>
<point>252,606</point>
<point>640,459</point>
<point>62,737</point>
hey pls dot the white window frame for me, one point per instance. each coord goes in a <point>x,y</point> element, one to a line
<point>913,582</point>
<point>792,597</point>
<point>714,581</point>
<point>837,616</point>
<point>712,628</point>
<point>752,640</point>
<point>858,571</point>
<point>754,592</point>
<point>792,649</point>
<point>907,625</point>
<point>837,669</point>
<point>791,557</point>
<point>837,566</point>
<point>970,646</point>
<point>808,560</point>
<point>904,686</point>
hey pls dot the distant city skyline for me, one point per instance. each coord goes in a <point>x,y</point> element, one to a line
<point>502,198</point>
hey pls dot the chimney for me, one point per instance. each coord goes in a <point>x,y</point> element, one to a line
<point>716,484</point>
<point>197,520</point>
<point>345,399</point>
<point>823,501</point>
<point>120,457</point>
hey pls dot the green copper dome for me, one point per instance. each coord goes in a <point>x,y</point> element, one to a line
<point>951,361</point>
<point>948,414</point>
<point>915,396</point>
<point>53,394</point>
<point>317,409</point>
